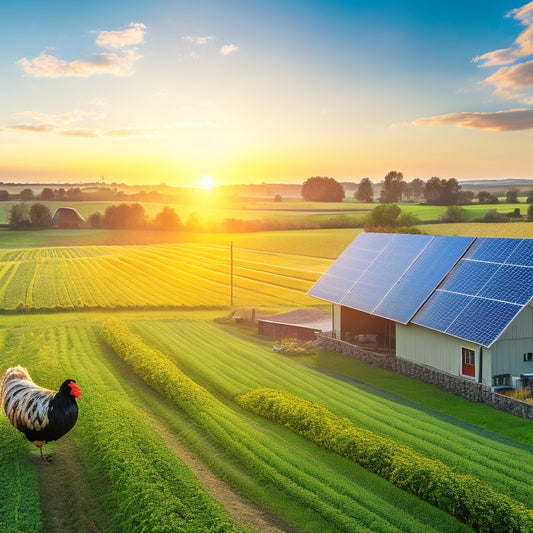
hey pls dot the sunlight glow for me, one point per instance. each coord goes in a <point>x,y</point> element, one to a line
<point>207,183</point>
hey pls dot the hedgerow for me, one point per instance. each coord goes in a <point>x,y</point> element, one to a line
<point>465,497</point>
<point>349,509</point>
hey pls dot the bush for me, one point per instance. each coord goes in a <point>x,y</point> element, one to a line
<point>465,497</point>
<point>455,214</point>
<point>297,347</point>
<point>530,213</point>
<point>494,216</point>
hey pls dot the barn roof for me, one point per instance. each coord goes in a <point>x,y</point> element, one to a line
<point>468,287</point>
<point>305,318</point>
<point>69,213</point>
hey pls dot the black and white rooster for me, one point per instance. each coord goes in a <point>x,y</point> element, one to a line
<point>41,414</point>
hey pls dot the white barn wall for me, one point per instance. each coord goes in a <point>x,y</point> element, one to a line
<point>336,317</point>
<point>435,349</point>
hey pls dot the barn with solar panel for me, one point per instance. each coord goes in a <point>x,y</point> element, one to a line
<point>463,305</point>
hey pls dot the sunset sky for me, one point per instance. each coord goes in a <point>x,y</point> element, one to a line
<point>251,91</point>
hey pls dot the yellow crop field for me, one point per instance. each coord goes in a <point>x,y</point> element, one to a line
<point>162,275</point>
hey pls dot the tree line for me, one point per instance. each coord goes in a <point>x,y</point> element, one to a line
<point>434,191</point>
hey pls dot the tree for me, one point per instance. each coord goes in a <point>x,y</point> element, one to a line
<point>485,197</point>
<point>454,213</point>
<point>124,216</point>
<point>408,220</point>
<point>40,216</point>
<point>18,216</point>
<point>47,194</point>
<point>512,196</point>
<point>364,192</point>
<point>95,220</point>
<point>530,213</point>
<point>321,189</point>
<point>26,195</point>
<point>391,191</point>
<point>442,192</point>
<point>168,220</point>
<point>4,195</point>
<point>384,216</point>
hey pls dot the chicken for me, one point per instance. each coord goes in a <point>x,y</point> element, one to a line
<point>42,415</point>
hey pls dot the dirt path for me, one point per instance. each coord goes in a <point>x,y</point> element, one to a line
<point>241,509</point>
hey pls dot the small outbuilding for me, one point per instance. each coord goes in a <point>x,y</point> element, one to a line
<point>302,324</point>
<point>67,218</point>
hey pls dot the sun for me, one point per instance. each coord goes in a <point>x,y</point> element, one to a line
<point>207,183</point>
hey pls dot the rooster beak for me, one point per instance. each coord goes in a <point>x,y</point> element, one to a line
<point>74,389</point>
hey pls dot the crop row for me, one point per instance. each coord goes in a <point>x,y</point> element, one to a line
<point>465,497</point>
<point>141,484</point>
<point>150,276</point>
<point>343,504</point>
<point>233,366</point>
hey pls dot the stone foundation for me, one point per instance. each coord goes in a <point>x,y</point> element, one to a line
<point>471,390</point>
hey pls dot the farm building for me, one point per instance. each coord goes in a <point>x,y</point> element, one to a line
<point>298,324</point>
<point>462,305</point>
<point>67,218</point>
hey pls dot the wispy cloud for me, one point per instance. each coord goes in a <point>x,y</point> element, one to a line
<point>514,78</point>
<point>196,39</point>
<point>117,64</point>
<point>512,120</point>
<point>228,49</point>
<point>521,47</point>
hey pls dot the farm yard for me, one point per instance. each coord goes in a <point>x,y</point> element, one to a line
<point>165,440</point>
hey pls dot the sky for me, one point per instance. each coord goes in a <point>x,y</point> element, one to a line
<point>249,91</point>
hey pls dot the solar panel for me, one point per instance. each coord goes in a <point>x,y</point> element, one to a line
<point>486,290</point>
<point>385,271</point>
<point>419,281</point>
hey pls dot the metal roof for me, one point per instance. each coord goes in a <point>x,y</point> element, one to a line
<point>471,288</point>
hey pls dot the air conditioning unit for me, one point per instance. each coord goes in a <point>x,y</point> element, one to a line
<point>516,382</point>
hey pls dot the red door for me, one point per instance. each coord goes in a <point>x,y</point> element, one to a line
<point>468,367</point>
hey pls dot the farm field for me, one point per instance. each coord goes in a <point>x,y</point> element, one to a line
<point>146,457</point>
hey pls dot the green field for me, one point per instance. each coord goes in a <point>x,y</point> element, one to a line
<point>162,444</point>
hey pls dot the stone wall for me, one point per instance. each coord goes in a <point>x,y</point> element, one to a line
<point>471,390</point>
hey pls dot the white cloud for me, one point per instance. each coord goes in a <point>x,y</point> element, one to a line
<point>512,120</point>
<point>511,82</point>
<point>522,46</point>
<point>119,39</point>
<point>228,49</point>
<point>116,64</point>
<point>195,39</point>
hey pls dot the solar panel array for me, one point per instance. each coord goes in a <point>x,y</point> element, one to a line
<point>490,285</point>
<point>462,286</point>
<point>390,275</point>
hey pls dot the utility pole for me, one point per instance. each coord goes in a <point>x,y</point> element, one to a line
<point>231,274</point>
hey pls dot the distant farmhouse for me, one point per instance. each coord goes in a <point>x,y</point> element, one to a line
<point>462,305</point>
<point>67,218</point>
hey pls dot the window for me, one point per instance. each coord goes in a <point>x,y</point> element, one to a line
<point>468,366</point>
<point>528,356</point>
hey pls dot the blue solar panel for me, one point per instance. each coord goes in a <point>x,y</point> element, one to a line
<point>470,276</point>
<point>385,271</point>
<point>483,321</point>
<point>349,267</point>
<point>493,250</point>
<point>441,310</point>
<point>523,254</point>
<point>419,281</point>
<point>510,284</point>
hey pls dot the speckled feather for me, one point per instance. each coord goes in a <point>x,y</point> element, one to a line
<point>26,404</point>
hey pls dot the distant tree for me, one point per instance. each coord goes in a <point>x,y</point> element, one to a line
<point>441,191</point>
<point>4,195</point>
<point>193,222</point>
<point>321,189</point>
<point>26,195</point>
<point>512,196</point>
<point>277,198</point>
<point>124,216</point>
<point>530,213</point>
<point>18,216</point>
<point>493,216</point>
<point>528,201</point>
<point>74,194</point>
<point>60,194</point>
<point>408,220</point>
<point>391,191</point>
<point>485,197</point>
<point>95,220</point>
<point>167,220</point>
<point>384,216</point>
<point>417,189</point>
<point>365,192</point>
<point>454,213</point>
<point>47,194</point>
<point>40,216</point>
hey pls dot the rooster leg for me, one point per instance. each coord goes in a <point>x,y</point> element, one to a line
<point>39,444</point>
